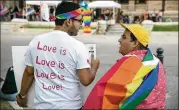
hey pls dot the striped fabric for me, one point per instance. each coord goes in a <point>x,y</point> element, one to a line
<point>70,14</point>
<point>29,11</point>
<point>126,84</point>
<point>3,11</point>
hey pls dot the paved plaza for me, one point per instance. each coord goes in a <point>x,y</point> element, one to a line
<point>107,52</point>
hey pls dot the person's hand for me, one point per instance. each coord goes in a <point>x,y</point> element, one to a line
<point>94,62</point>
<point>21,102</point>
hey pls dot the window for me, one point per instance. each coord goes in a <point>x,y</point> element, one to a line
<point>139,1</point>
<point>123,1</point>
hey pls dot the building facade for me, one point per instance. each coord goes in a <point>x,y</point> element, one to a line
<point>130,7</point>
<point>136,7</point>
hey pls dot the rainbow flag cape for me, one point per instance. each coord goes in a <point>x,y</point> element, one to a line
<point>126,84</point>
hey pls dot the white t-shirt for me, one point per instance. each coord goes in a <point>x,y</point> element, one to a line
<point>55,57</point>
<point>153,14</point>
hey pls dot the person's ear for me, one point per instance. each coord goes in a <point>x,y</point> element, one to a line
<point>68,22</point>
<point>135,43</point>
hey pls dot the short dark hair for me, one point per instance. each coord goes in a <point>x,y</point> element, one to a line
<point>133,38</point>
<point>64,7</point>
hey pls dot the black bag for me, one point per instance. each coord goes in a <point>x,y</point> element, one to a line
<point>9,86</point>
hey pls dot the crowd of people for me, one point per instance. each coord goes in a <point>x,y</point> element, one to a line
<point>97,14</point>
<point>16,12</point>
<point>153,16</point>
<point>35,16</point>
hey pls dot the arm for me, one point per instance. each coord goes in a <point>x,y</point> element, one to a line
<point>27,80</point>
<point>87,75</point>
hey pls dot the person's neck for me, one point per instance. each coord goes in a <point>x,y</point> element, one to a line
<point>61,28</point>
<point>64,29</point>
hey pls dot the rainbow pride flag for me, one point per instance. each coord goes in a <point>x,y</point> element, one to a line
<point>4,11</point>
<point>126,84</point>
<point>29,11</point>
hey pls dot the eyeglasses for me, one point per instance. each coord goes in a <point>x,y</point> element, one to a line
<point>123,37</point>
<point>79,20</point>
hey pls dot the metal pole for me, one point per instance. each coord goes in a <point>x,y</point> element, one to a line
<point>25,11</point>
<point>40,11</point>
<point>160,54</point>
<point>114,13</point>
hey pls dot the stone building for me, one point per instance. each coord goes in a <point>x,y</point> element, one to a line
<point>137,7</point>
<point>131,7</point>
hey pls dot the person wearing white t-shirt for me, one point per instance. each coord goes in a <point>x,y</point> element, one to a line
<point>58,63</point>
<point>154,16</point>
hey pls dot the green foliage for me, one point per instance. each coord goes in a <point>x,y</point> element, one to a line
<point>165,28</point>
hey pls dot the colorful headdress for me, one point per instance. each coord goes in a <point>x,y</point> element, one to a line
<point>70,14</point>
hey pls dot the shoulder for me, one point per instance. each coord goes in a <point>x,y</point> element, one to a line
<point>80,47</point>
<point>130,59</point>
<point>37,38</point>
<point>130,56</point>
<point>80,44</point>
<point>76,43</point>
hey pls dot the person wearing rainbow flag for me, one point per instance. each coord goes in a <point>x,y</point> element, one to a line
<point>136,81</point>
<point>58,63</point>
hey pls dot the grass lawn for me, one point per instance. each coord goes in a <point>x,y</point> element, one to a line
<point>173,28</point>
